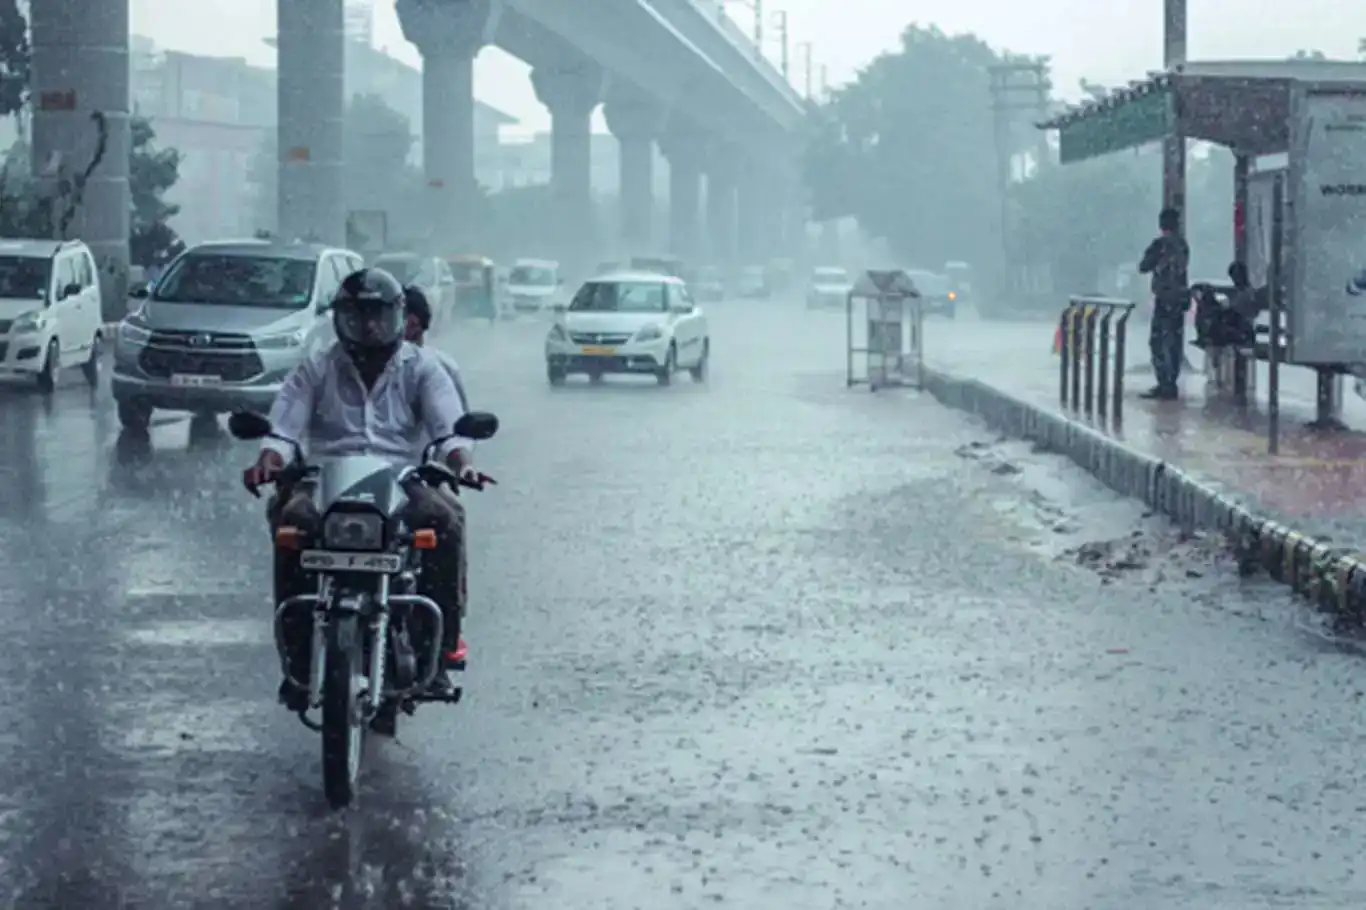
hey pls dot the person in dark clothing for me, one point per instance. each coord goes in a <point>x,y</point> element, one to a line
<point>1167,259</point>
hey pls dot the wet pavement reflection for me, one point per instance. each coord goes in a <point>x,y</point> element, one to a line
<point>762,643</point>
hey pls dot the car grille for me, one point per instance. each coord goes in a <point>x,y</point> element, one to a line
<point>596,338</point>
<point>201,341</point>
<point>237,365</point>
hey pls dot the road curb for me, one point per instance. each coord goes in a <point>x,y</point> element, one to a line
<point>1332,578</point>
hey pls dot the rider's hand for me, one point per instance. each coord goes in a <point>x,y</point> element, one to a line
<point>266,469</point>
<point>470,477</point>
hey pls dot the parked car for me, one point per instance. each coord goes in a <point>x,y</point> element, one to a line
<point>710,285</point>
<point>629,322</point>
<point>533,285</point>
<point>50,310</point>
<point>223,327</point>
<point>830,287</point>
<point>960,278</point>
<point>431,273</point>
<point>754,282</point>
<point>936,293</point>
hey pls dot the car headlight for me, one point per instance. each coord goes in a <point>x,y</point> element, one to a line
<point>650,333</point>
<point>30,322</point>
<point>353,531</point>
<point>557,333</point>
<point>131,333</point>
<point>293,339</point>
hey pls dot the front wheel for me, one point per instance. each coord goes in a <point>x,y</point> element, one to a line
<point>343,733</point>
<point>554,375</point>
<point>52,365</point>
<point>698,371</point>
<point>665,374</point>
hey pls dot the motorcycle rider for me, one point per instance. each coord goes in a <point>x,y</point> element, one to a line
<point>370,393</point>
<point>418,312</point>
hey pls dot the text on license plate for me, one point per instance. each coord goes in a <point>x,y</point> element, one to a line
<point>333,561</point>
<point>195,380</point>
<point>593,350</point>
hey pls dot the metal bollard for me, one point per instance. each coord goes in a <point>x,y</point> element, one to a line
<point>1064,353</point>
<point>1102,393</point>
<point>1075,353</point>
<point>1088,322</point>
<point>1121,335</point>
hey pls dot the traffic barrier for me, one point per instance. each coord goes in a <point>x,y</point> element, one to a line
<point>1329,577</point>
<point>1088,380</point>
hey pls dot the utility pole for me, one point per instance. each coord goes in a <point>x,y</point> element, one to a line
<point>806,54</point>
<point>780,16</point>
<point>759,25</point>
<point>825,82</point>
<point>1018,86</point>
<point>1174,147</point>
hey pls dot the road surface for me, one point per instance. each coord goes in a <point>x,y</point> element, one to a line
<point>760,643</point>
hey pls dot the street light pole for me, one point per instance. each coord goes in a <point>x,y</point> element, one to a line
<point>1174,23</point>
<point>781,17</point>
<point>759,25</point>
<point>806,53</point>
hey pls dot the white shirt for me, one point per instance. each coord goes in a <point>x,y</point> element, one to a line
<point>453,370</point>
<point>325,406</point>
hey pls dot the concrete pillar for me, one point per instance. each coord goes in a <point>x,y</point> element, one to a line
<point>80,67</point>
<point>312,103</point>
<point>449,36</point>
<point>751,244</point>
<point>637,120</point>
<point>685,148</point>
<point>721,207</point>
<point>571,90</point>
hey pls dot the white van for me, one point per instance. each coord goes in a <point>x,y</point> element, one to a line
<point>51,316</point>
<point>534,285</point>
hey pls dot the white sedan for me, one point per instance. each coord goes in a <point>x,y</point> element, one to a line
<point>629,322</point>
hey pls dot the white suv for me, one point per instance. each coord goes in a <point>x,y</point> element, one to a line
<point>50,310</point>
<point>629,322</point>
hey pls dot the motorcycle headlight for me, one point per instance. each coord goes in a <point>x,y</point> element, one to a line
<point>353,531</point>
<point>650,333</point>
<point>557,333</point>
<point>30,322</point>
<point>286,340</point>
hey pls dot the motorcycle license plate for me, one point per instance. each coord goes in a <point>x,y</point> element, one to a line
<point>593,350</point>
<point>195,380</point>
<point>334,561</point>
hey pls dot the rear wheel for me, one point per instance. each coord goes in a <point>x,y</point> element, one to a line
<point>52,365</point>
<point>343,735</point>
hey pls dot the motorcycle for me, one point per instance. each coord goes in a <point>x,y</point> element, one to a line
<point>366,662</point>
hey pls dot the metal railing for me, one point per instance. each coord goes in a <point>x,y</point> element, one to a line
<point>1090,381</point>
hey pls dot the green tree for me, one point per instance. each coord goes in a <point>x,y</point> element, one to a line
<point>151,172</point>
<point>908,149</point>
<point>14,58</point>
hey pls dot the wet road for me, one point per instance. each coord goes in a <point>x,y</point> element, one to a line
<point>759,643</point>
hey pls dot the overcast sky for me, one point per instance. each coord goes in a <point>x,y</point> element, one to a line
<point>1107,41</point>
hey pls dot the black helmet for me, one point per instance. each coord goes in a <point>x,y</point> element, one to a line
<point>367,312</point>
<point>415,304</point>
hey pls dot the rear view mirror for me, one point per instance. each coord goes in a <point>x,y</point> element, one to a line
<point>475,425</point>
<point>248,425</point>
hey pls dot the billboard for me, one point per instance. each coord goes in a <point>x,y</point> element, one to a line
<point>1325,228</point>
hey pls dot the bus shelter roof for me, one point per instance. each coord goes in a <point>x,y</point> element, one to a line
<point>1243,105</point>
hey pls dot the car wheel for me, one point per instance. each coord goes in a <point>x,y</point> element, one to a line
<point>554,375</point>
<point>665,374</point>
<point>698,371</point>
<point>91,368</point>
<point>134,417</point>
<point>52,365</point>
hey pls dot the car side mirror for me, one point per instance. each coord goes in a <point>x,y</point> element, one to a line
<point>558,308</point>
<point>248,425</point>
<point>71,290</point>
<point>322,307</point>
<point>477,425</point>
<point>681,309</point>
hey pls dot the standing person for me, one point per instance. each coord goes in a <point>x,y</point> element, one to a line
<point>1167,259</point>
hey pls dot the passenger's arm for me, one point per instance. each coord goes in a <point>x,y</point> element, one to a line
<point>441,409</point>
<point>453,370</point>
<point>294,407</point>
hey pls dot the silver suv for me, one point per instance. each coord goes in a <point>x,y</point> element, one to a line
<point>223,326</point>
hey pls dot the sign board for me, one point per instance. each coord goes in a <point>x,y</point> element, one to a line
<point>59,100</point>
<point>1325,226</point>
<point>1257,221</point>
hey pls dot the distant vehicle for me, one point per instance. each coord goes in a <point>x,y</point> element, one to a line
<point>533,285</point>
<point>50,311</point>
<point>936,293</point>
<point>960,277</point>
<point>664,265</point>
<point>478,286</point>
<point>606,267</point>
<point>629,322</point>
<point>830,287</point>
<point>431,273</point>
<point>709,285</point>
<point>224,326</point>
<point>754,282</point>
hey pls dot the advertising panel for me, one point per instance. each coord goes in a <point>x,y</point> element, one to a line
<point>1326,227</point>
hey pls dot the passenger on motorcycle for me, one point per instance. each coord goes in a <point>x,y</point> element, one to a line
<point>418,312</point>
<point>370,393</point>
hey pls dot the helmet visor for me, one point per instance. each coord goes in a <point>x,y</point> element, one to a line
<point>369,323</point>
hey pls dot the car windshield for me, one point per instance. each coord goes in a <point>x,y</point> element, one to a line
<point>619,297</point>
<point>531,276</point>
<point>24,277</point>
<point>236,280</point>
<point>404,268</point>
<point>467,272</point>
<point>831,276</point>
<point>930,284</point>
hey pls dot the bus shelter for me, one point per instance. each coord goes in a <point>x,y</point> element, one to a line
<point>1297,129</point>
